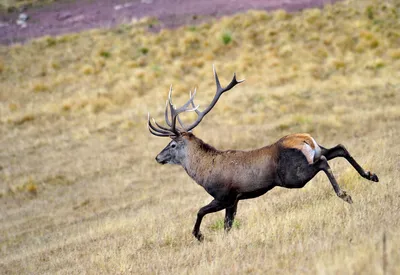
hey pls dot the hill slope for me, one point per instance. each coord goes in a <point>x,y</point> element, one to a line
<point>81,191</point>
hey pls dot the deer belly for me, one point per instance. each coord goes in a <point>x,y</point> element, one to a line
<point>219,191</point>
<point>256,180</point>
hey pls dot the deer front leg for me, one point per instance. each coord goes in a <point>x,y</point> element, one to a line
<point>230,213</point>
<point>213,206</point>
<point>341,151</point>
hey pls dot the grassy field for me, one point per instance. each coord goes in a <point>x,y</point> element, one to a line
<point>80,191</point>
<point>13,4</point>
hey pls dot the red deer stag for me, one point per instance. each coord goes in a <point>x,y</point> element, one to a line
<point>230,176</point>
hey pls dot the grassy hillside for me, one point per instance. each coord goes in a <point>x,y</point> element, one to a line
<point>13,4</point>
<point>80,190</point>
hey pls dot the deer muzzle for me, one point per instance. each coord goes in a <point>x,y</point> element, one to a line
<point>161,160</point>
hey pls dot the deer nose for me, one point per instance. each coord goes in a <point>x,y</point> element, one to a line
<point>159,160</point>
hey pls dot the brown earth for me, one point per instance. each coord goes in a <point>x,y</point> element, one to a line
<point>73,16</point>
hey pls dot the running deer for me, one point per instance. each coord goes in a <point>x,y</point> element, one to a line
<point>230,176</point>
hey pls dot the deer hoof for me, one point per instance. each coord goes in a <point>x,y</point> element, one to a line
<point>345,197</point>
<point>198,236</point>
<point>372,177</point>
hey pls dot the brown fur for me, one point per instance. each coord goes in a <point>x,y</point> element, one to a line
<point>231,170</point>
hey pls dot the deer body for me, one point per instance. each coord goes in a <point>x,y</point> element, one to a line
<point>226,173</point>
<point>231,176</point>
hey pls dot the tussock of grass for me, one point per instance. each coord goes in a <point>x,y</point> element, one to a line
<point>73,121</point>
<point>32,186</point>
<point>218,225</point>
<point>22,120</point>
<point>226,38</point>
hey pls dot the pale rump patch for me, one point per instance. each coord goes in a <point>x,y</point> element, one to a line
<point>306,144</point>
<point>317,150</point>
<point>312,154</point>
<point>308,152</point>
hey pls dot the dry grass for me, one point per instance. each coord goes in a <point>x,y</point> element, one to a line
<point>12,4</point>
<point>81,192</point>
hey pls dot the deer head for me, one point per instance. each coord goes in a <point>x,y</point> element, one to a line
<point>175,151</point>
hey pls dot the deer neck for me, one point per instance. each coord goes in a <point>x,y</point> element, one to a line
<point>199,159</point>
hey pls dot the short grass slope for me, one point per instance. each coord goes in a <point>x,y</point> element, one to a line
<point>80,191</point>
<point>10,5</point>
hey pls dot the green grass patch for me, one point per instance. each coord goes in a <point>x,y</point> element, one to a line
<point>219,225</point>
<point>226,37</point>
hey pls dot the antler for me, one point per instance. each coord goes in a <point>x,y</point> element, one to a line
<point>218,93</point>
<point>163,131</point>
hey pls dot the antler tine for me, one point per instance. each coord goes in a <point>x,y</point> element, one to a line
<point>169,95</point>
<point>152,127</point>
<point>171,107</point>
<point>157,134</point>
<point>232,84</point>
<point>181,123</point>
<point>192,102</point>
<point>216,78</point>
<point>160,126</point>
<point>185,106</point>
<point>176,111</point>
<point>194,109</point>
<point>161,132</point>
<point>218,93</point>
<point>173,112</point>
<point>166,114</point>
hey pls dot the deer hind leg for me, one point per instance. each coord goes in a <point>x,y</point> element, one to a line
<point>322,164</point>
<point>230,214</point>
<point>295,171</point>
<point>341,151</point>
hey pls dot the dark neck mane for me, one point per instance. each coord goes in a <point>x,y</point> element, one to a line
<point>201,144</point>
<point>206,147</point>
